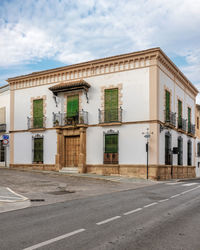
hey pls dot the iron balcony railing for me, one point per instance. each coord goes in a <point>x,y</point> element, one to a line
<point>66,119</point>
<point>191,128</point>
<point>170,118</point>
<point>110,115</point>
<point>36,122</point>
<point>2,127</point>
<point>182,123</point>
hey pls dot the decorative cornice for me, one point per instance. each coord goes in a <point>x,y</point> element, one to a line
<point>101,66</point>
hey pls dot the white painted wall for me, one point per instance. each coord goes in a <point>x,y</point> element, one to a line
<point>23,147</point>
<point>5,102</point>
<point>132,149</point>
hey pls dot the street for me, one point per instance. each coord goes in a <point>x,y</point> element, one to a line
<point>162,216</point>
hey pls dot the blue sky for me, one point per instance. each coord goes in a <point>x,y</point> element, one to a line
<point>41,34</point>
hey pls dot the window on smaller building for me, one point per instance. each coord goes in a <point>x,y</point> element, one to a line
<point>38,149</point>
<point>189,153</point>
<point>111,148</point>
<point>2,151</point>
<point>198,149</point>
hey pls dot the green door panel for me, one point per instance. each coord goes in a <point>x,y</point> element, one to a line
<point>111,105</point>
<point>38,113</point>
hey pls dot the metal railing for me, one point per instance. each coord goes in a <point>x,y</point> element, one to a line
<point>170,118</point>
<point>110,115</point>
<point>36,122</point>
<point>182,123</point>
<point>191,128</point>
<point>3,127</point>
<point>67,119</point>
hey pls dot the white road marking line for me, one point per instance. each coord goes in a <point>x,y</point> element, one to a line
<point>173,183</point>
<point>152,204</point>
<point>176,195</point>
<point>189,184</point>
<point>163,200</point>
<point>54,239</point>
<point>133,211</point>
<point>108,220</point>
<point>23,197</point>
<point>190,190</point>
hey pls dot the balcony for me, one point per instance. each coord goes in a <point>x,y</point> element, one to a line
<point>69,119</point>
<point>2,128</point>
<point>36,122</point>
<point>182,124</point>
<point>170,118</point>
<point>110,116</point>
<point>191,128</point>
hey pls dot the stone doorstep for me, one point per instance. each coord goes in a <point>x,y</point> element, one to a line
<point>69,170</point>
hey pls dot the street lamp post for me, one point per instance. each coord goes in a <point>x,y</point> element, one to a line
<point>147,135</point>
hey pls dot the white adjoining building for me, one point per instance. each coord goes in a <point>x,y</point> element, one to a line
<point>4,124</point>
<point>92,116</point>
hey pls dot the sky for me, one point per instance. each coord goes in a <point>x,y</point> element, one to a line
<point>43,34</point>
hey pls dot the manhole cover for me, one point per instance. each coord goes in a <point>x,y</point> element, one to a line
<point>61,192</point>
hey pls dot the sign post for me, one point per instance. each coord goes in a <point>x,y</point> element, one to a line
<point>5,145</point>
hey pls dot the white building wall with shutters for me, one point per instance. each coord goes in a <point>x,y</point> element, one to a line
<point>178,91</point>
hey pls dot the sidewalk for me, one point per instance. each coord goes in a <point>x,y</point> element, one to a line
<point>9,200</point>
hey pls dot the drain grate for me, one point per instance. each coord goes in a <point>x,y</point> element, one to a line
<point>61,192</point>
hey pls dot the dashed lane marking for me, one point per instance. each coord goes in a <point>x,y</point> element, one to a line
<point>133,211</point>
<point>108,220</point>
<point>174,183</point>
<point>54,239</point>
<point>176,195</point>
<point>163,200</point>
<point>152,204</point>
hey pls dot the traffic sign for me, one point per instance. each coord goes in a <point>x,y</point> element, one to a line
<point>5,142</point>
<point>5,137</point>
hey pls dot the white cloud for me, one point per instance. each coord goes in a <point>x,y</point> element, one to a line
<point>73,31</point>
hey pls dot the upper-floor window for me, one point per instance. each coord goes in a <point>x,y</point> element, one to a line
<point>72,109</point>
<point>38,119</point>
<point>167,105</point>
<point>3,119</point>
<point>189,119</point>
<point>179,113</point>
<point>111,105</point>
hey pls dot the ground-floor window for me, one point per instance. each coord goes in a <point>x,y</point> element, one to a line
<point>111,148</point>
<point>2,152</point>
<point>38,149</point>
<point>168,153</point>
<point>189,153</point>
<point>180,150</point>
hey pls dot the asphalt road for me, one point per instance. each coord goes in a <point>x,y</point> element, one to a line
<point>162,216</point>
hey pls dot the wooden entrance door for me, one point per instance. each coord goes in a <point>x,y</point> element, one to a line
<point>72,151</point>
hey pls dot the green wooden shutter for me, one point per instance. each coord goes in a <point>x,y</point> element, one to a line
<point>38,113</point>
<point>111,143</point>
<point>189,119</point>
<point>167,105</point>
<point>72,105</point>
<point>111,105</point>
<point>38,150</point>
<point>179,113</point>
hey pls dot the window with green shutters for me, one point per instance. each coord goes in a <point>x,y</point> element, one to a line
<point>167,105</point>
<point>180,113</point>
<point>38,113</point>
<point>72,105</point>
<point>111,143</point>
<point>111,105</point>
<point>38,150</point>
<point>189,119</point>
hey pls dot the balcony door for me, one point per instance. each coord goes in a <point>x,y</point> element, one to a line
<point>72,149</point>
<point>167,106</point>
<point>72,109</point>
<point>111,105</point>
<point>38,113</point>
